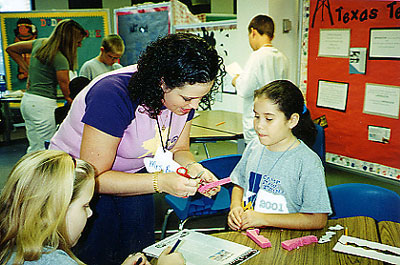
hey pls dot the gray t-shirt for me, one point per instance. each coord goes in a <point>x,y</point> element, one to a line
<point>94,67</point>
<point>279,182</point>
<point>57,257</point>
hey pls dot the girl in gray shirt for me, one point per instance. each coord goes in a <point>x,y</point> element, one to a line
<point>280,181</point>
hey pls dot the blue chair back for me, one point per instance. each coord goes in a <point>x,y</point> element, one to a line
<point>319,145</point>
<point>197,205</point>
<point>357,199</point>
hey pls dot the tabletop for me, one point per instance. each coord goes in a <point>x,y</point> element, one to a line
<point>219,120</point>
<point>389,233</point>
<point>202,134</point>
<point>360,226</point>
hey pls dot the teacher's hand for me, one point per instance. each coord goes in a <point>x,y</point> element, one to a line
<point>177,185</point>
<point>196,170</point>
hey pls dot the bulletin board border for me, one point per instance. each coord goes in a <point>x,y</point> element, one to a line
<point>363,166</point>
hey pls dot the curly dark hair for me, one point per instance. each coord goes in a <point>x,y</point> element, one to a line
<point>290,100</point>
<point>177,59</point>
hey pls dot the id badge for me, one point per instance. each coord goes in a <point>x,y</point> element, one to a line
<point>270,203</point>
<point>162,161</point>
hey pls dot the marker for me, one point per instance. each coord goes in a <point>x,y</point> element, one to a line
<point>346,233</point>
<point>175,246</point>
<point>220,123</point>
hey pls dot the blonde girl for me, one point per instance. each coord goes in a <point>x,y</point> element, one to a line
<point>44,207</point>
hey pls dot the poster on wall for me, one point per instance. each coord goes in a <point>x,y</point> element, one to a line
<point>357,60</point>
<point>382,100</point>
<point>332,95</point>
<point>140,25</point>
<point>33,25</point>
<point>334,42</point>
<point>221,35</point>
<point>384,43</point>
<point>378,134</point>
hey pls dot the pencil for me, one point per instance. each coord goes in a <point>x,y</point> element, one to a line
<point>219,123</point>
<point>346,232</point>
<point>175,246</point>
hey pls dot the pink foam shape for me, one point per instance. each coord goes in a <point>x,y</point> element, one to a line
<point>214,184</point>
<point>259,239</point>
<point>298,242</point>
<point>309,239</point>
<point>291,244</point>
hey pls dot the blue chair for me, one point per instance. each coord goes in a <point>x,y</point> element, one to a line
<point>319,145</point>
<point>199,205</point>
<point>357,199</point>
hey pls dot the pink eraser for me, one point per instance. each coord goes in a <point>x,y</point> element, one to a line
<point>309,239</point>
<point>291,244</point>
<point>214,184</point>
<point>259,239</point>
<point>298,242</point>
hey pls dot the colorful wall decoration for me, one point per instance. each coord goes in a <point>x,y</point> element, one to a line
<point>360,105</point>
<point>32,25</point>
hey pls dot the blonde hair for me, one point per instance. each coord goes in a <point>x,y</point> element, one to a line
<point>64,38</point>
<point>34,203</point>
<point>113,43</point>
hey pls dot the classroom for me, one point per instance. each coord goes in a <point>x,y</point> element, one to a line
<point>341,55</point>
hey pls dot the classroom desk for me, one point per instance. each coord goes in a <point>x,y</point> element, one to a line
<point>5,108</point>
<point>389,233</point>
<point>217,125</point>
<point>361,227</point>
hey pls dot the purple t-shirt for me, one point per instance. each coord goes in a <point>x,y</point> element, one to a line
<point>105,105</point>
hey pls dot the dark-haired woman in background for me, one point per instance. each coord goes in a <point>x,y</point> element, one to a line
<point>51,60</point>
<point>126,116</point>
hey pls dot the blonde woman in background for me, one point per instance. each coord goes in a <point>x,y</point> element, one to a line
<point>51,60</point>
<point>44,207</point>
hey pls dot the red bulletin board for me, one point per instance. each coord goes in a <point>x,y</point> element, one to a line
<point>347,131</point>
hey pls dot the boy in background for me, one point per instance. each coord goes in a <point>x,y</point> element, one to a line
<point>112,48</point>
<point>266,64</point>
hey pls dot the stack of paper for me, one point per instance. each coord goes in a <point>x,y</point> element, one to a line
<point>198,248</point>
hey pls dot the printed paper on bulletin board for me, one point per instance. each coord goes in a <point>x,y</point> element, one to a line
<point>95,22</point>
<point>347,131</point>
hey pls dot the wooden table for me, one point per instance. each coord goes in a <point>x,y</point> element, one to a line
<point>361,227</point>
<point>389,233</point>
<point>217,125</point>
